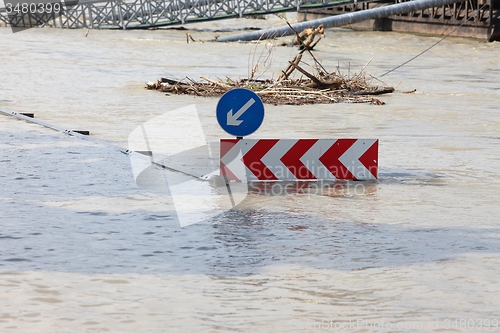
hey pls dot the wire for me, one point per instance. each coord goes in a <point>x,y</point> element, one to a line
<point>134,154</point>
<point>436,43</point>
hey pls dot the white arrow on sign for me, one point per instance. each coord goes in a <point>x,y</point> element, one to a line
<point>232,119</point>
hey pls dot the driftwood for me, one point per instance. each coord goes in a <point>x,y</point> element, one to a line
<point>322,87</point>
<point>307,38</point>
<point>289,92</point>
<point>376,91</point>
<point>286,73</point>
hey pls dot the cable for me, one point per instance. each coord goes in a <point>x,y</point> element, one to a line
<point>436,43</point>
<point>129,152</point>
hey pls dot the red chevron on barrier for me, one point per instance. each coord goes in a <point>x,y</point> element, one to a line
<point>225,147</point>
<point>330,159</point>
<point>302,159</point>
<point>370,159</point>
<point>292,161</point>
<point>253,159</point>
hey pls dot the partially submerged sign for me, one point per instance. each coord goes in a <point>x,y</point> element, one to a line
<point>299,159</point>
<point>240,112</point>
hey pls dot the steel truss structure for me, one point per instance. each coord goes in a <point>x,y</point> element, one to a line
<point>470,18</point>
<point>137,14</point>
<point>480,13</point>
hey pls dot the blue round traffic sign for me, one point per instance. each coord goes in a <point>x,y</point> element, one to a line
<point>240,112</point>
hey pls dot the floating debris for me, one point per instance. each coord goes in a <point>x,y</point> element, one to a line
<point>321,88</point>
<point>285,92</point>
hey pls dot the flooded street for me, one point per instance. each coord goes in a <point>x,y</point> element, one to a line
<point>84,249</point>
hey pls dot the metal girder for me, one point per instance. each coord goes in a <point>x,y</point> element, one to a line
<point>453,13</point>
<point>130,14</point>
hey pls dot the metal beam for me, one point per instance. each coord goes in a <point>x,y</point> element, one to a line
<point>339,20</point>
<point>143,14</point>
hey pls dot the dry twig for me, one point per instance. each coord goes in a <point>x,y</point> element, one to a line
<point>322,87</point>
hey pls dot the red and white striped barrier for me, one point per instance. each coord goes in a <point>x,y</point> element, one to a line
<point>302,159</point>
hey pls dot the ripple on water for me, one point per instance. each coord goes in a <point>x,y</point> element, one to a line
<point>9,237</point>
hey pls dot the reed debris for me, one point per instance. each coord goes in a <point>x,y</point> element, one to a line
<point>320,87</point>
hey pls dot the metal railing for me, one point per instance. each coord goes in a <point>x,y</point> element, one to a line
<point>138,14</point>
